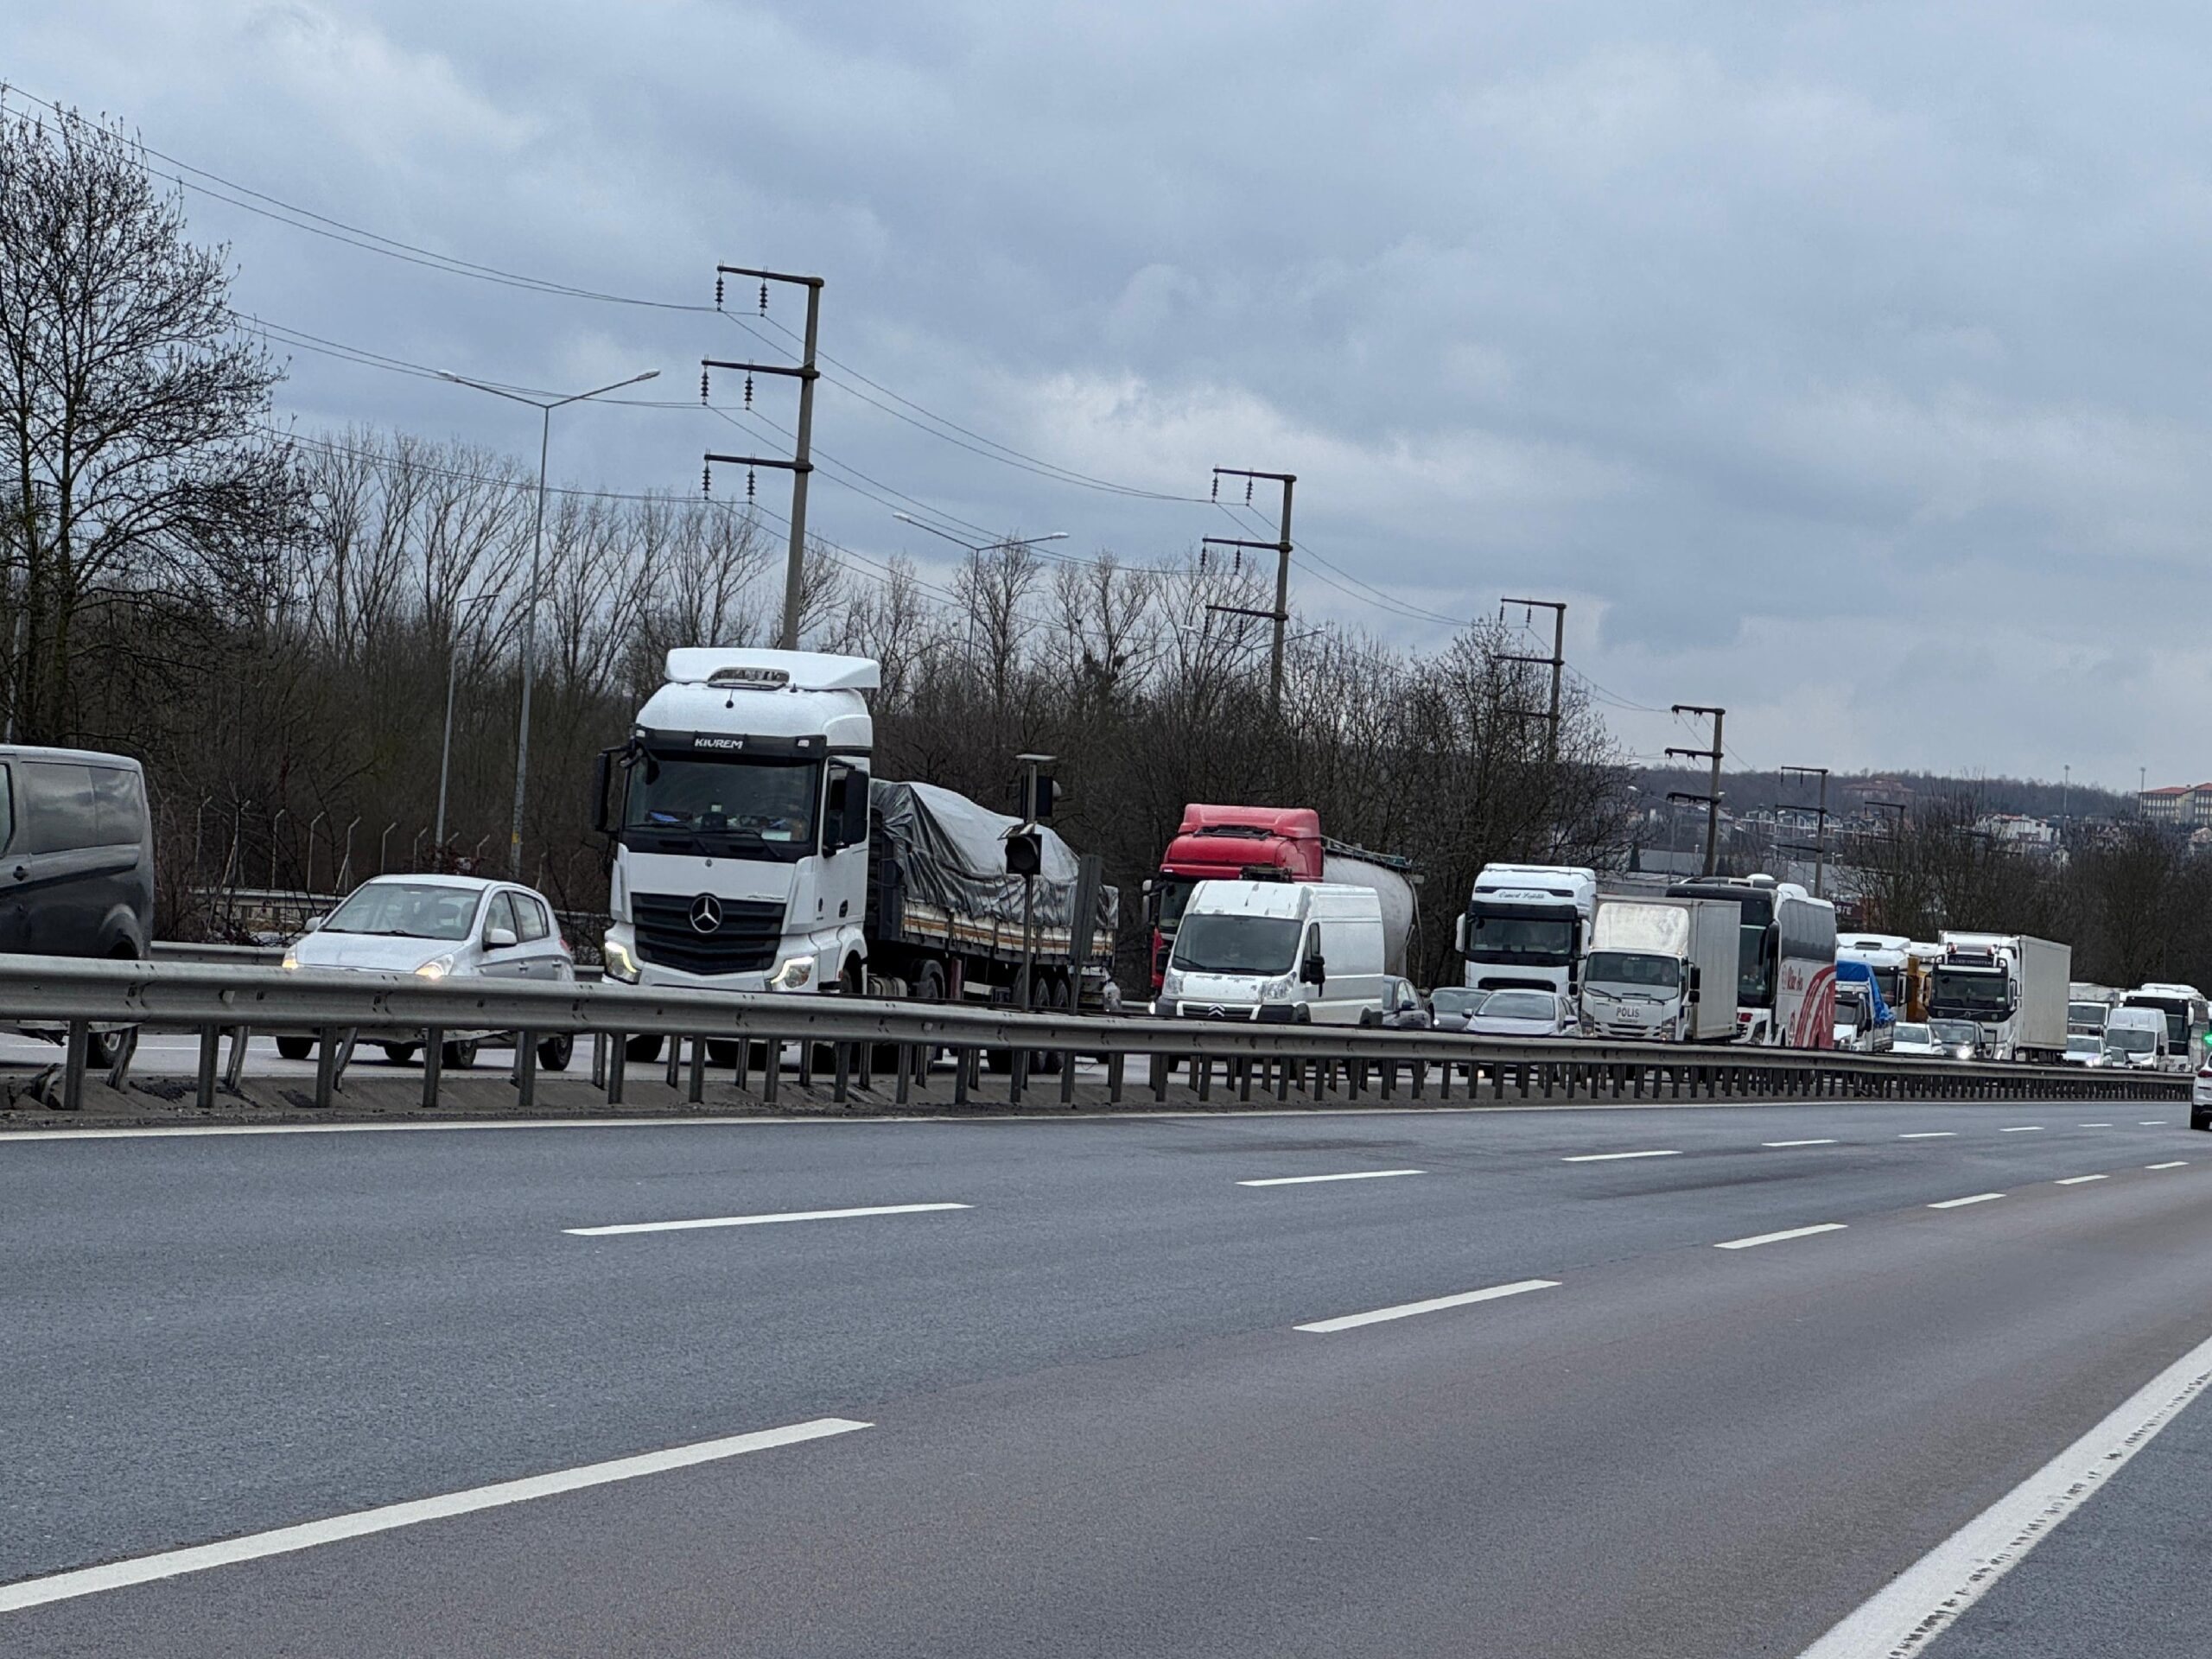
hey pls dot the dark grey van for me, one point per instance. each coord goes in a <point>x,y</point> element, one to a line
<point>76,854</point>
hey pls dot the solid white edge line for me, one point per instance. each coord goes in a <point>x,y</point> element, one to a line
<point>169,1564</point>
<point>1954,1203</point>
<point>2177,1164</point>
<point>1406,1310</point>
<point>1351,1175</point>
<point>624,1227</point>
<point>1899,1620</point>
<point>1777,1238</point>
<point>1796,1143</point>
<point>1614,1157</point>
<point>1930,1135</point>
<point>2076,1180</point>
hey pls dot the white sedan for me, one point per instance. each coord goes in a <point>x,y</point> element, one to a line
<point>440,927</point>
<point>1524,1014</point>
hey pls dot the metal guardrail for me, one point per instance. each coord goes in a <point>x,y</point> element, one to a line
<point>858,1043</point>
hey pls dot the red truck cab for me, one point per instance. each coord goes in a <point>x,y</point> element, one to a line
<point>1229,843</point>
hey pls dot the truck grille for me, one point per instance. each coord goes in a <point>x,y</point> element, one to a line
<point>744,943</point>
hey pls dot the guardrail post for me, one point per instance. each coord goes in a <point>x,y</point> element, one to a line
<point>434,1060</point>
<point>902,1091</point>
<point>211,1048</point>
<point>674,1067</point>
<point>771,1068</point>
<point>1280,1068</point>
<point>694,1089</point>
<point>618,1065</point>
<point>840,1073</point>
<point>1067,1078</point>
<point>1156,1066</point>
<point>240,1037</point>
<point>525,1071</point>
<point>326,1063</point>
<point>599,1059</point>
<point>73,1065</point>
<point>1116,1064</point>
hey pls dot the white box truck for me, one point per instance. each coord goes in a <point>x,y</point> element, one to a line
<point>1295,952</point>
<point>1662,970</point>
<point>2012,987</point>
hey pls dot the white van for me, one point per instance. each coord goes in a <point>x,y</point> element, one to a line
<point>1303,952</point>
<point>2137,1036</point>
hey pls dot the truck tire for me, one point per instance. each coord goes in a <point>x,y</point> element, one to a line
<point>645,1050</point>
<point>295,1048</point>
<point>554,1050</point>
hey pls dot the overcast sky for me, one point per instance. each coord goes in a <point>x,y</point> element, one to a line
<point>1843,364</point>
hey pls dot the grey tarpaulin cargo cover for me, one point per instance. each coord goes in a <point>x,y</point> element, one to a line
<point>951,853</point>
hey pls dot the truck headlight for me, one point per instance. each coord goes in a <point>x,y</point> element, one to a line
<point>792,975</point>
<point>617,961</point>
<point>435,968</point>
<point>1276,990</point>
<point>1171,983</point>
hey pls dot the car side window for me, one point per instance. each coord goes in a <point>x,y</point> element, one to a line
<point>501,912</point>
<point>531,914</point>
<point>59,814</point>
<point>119,804</point>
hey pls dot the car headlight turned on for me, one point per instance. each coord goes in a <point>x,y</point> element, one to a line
<point>793,974</point>
<point>435,968</point>
<point>291,962</point>
<point>617,961</point>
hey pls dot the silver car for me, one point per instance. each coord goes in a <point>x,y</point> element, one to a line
<point>1524,1014</point>
<point>440,927</point>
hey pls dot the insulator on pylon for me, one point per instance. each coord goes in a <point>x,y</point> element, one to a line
<point>718,293</point>
<point>764,299</point>
<point>707,479</point>
<point>1247,491</point>
<point>748,391</point>
<point>703,385</point>
<point>748,483</point>
<point>1217,487</point>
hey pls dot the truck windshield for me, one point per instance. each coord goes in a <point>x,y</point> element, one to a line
<point>1969,992</point>
<point>1754,984</point>
<point>2086,1016</point>
<point>1210,942</point>
<point>1518,939</point>
<point>2131,1039</point>
<point>1632,967</point>
<point>1173,892</point>
<point>741,807</point>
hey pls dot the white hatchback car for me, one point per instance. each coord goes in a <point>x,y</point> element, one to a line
<point>440,927</point>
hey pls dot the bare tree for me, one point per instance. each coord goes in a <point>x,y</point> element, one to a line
<point>131,408</point>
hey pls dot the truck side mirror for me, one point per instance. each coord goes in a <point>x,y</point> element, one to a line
<point>1459,934</point>
<point>602,787</point>
<point>1314,971</point>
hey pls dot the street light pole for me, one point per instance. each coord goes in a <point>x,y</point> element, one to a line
<point>545,406</point>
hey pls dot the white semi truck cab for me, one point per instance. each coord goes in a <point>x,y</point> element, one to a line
<point>1528,926</point>
<point>739,813</point>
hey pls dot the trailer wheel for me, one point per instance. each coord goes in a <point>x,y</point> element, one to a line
<point>1054,999</point>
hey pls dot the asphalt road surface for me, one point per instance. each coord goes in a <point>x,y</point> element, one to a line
<point>1662,1382</point>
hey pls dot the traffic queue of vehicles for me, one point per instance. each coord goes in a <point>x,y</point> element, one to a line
<point>752,850</point>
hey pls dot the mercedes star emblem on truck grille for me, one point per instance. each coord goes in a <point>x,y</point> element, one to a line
<point>706,913</point>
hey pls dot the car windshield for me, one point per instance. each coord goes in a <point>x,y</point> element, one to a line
<point>1914,1034</point>
<point>407,909</point>
<point>1210,942</point>
<point>1520,1004</point>
<point>2131,1039</point>
<point>1450,1000</point>
<point>725,803</point>
<point>1954,1032</point>
<point>1632,967</point>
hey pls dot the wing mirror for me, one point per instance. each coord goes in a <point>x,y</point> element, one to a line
<point>499,938</point>
<point>1314,971</point>
<point>315,922</point>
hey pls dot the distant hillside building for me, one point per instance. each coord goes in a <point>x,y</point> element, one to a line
<point>2021,833</point>
<point>2187,806</point>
